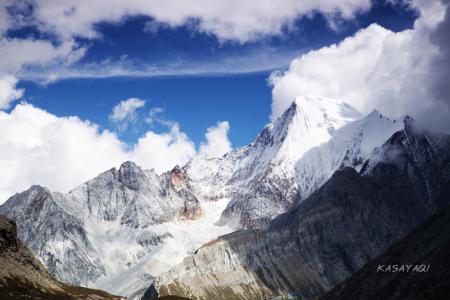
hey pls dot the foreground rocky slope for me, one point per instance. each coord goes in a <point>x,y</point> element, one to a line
<point>416,267</point>
<point>22,276</point>
<point>351,219</point>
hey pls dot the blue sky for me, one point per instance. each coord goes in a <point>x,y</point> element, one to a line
<point>86,85</point>
<point>230,80</point>
<point>195,102</point>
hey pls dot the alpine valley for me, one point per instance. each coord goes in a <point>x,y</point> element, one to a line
<point>320,192</point>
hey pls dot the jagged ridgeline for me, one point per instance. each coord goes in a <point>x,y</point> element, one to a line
<point>320,192</point>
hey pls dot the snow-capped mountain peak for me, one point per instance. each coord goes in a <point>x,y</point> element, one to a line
<point>333,113</point>
<point>297,153</point>
<point>131,175</point>
<point>309,122</point>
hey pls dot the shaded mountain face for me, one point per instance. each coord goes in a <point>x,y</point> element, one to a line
<point>22,276</point>
<point>416,267</point>
<point>351,219</point>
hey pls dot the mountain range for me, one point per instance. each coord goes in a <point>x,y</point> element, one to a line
<point>320,192</point>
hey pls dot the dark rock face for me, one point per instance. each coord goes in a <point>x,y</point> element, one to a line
<point>8,233</point>
<point>351,219</point>
<point>22,276</point>
<point>177,178</point>
<point>131,176</point>
<point>416,267</point>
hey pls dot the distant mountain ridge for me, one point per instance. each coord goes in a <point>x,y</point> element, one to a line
<point>126,226</point>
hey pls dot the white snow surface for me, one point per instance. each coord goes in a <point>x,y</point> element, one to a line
<point>118,247</point>
<point>187,237</point>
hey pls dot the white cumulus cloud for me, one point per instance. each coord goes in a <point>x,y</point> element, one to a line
<point>16,54</point>
<point>217,142</point>
<point>162,151</point>
<point>124,113</point>
<point>61,152</point>
<point>376,68</point>
<point>8,90</point>
<point>228,20</point>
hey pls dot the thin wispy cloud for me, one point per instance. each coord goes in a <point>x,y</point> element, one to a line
<point>125,112</point>
<point>154,116</point>
<point>259,60</point>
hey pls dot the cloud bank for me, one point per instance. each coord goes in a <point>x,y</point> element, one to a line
<point>398,73</point>
<point>236,20</point>
<point>61,23</point>
<point>217,143</point>
<point>61,152</point>
<point>16,55</point>
<point>8,91</point>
